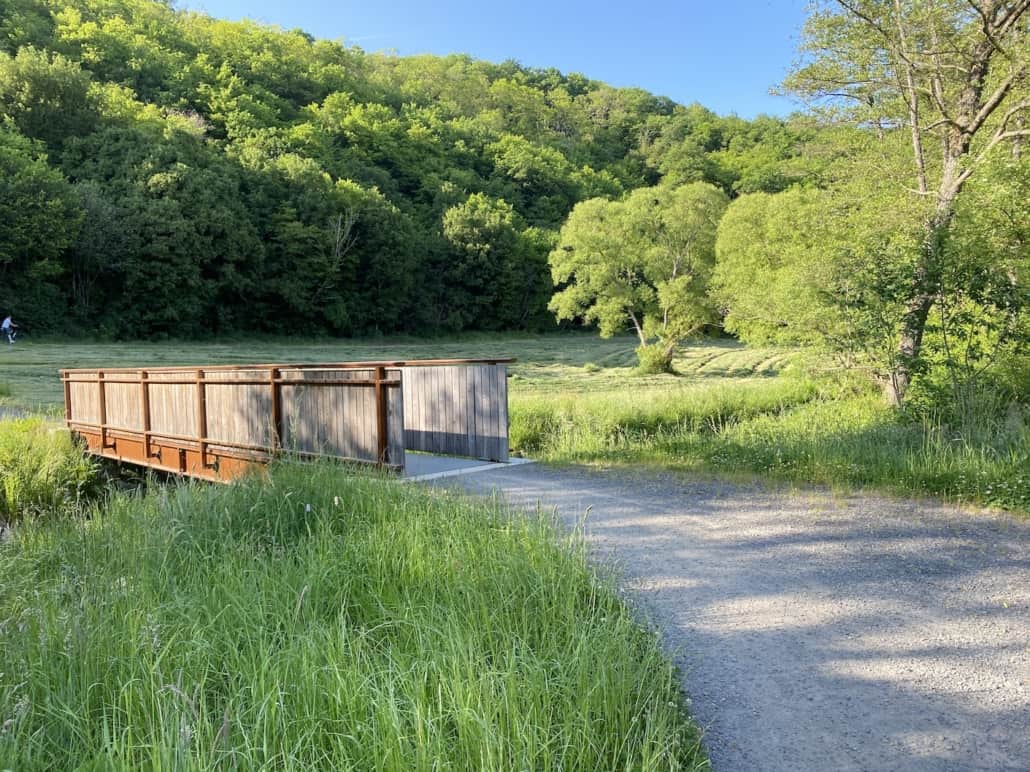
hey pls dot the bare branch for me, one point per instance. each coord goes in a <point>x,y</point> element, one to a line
<point>940,122</point>
<point>936,81</point>
<point>1013,134</point>
<point>986,24</point>
<point>993,101</point>
<point>852,9</point>
<point>1013,111</point>
<point>999,136</point>
<point>912,101</point>
<point>1009,20</point>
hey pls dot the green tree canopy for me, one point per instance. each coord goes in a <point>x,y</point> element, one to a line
<point>39,219</point>
<point>643,262</point>
<point>952,77</point>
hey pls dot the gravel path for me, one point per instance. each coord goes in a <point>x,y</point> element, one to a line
<point>819,632</point>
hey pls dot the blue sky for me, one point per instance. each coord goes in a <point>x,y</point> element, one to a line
<point>725,55</point>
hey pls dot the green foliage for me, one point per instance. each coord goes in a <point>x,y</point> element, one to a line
<point>42,471</point>
<point>320,619</point>
<point>653,359</point>
<point>498,270</point>
<point>23,23</point>
<point>48,97</point>
<point>770,277</point>
<point>836,268</point>
<point>216,163</point>
<point>644,261</point>
<point>40,218</point>
<point>976,337</point>
<point>949,79</point>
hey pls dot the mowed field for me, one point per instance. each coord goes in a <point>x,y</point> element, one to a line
<point>545,363</point>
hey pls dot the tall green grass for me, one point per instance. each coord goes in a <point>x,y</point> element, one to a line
<point>323,621</point>
<point>781,428</point>
<point>41,469</point>
<point>576,423</point>
<point>858,441</point>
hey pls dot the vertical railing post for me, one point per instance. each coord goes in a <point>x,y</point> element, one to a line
<point>202,418</point>
<point>277,410</point>
<point>382,446</point>
<point>67,398</point>
<point>144,402</point>
<point>102,395</point>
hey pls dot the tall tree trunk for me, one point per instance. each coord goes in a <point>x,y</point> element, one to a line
<point>925,287</point>
<point>910,342</point>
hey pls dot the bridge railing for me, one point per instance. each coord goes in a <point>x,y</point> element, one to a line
<point>216,422</point>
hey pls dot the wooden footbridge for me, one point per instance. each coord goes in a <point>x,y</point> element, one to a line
<point>218,422</point>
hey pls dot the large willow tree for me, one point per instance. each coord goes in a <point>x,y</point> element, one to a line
<point>643,262</point>
<point>953,75</point>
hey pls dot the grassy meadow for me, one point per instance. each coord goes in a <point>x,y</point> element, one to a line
<point>729,410</point>
<point>323,619</point>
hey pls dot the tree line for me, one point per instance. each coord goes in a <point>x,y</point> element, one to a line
<point>166,173</point>
<point>902,248</point>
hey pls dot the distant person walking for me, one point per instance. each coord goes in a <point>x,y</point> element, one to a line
<point>9,328</point>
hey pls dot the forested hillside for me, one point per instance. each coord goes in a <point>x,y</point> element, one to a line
<point>167,173</point>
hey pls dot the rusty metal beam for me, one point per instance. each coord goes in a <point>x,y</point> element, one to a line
<point>277,409</point>
<point>145,412</point>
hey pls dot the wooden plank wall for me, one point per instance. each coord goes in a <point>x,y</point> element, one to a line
<point>332,420</point>
<point>238,413</point>
<point>459,410</point>
<point>339,420</point>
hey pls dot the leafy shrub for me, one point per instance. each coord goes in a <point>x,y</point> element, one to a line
<point>41,469</point>
<point>653,359</point>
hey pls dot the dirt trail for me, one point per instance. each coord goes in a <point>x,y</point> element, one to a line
<point>819,632</point>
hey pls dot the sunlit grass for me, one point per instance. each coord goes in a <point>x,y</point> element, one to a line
<point>323,621</point>
<point>42,471</point>
<point>783,429</point>
<point>31,367</point>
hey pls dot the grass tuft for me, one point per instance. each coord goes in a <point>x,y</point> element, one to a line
<point>42,470</point>
<point>782,428</point>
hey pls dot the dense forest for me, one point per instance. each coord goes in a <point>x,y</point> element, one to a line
<point>165,173</point>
